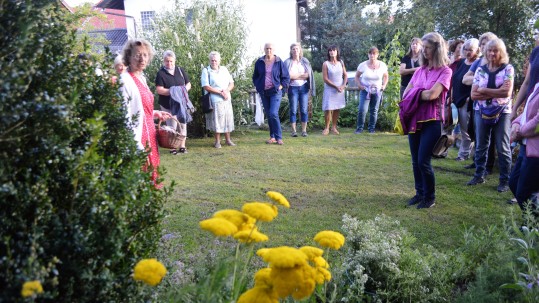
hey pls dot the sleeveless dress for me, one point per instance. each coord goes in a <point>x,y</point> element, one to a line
<point>148,127</point>
<point>332,99</point>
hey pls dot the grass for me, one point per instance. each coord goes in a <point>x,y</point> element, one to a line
<point>323,177</point>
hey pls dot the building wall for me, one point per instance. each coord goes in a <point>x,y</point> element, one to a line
<point>267,20</point>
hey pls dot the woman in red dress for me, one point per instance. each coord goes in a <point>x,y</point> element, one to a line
<point>139,100</point>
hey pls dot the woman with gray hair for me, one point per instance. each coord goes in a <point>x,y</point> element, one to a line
<point>168,76</point>
<point>492,88</point>
<point>461,94</point>
<point>301,83</point>
<point>139,100</point>
<point>217,81</point>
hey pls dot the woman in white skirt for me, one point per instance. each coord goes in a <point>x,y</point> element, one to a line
<point>335,81</point>
<point>217,81</point>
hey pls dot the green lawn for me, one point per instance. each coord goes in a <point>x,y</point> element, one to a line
<point>323,177</point>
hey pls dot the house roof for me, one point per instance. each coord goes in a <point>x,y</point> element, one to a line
<point>115,4</point>
<point>114,19</point>
<point>117,38</point>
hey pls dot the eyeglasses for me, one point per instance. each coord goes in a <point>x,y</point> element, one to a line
<point>467,49</point>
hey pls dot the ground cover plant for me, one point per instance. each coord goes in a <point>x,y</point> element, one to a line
<point>325,177</point>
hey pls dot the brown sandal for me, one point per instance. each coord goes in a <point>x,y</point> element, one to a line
<point>271,141</point>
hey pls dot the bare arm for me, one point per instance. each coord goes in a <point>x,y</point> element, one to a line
<point>406,71</point>
<point>162,91</point>
<point>384,80</point>
<point>468,78</point>
<point>433,93</point>
<point>358,75</point>
<point>521,94</point>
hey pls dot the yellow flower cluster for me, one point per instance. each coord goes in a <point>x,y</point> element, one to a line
<point>330,239</point>
<point>241,224</point>
<point>31,288</point>
<point>292,272</point>
<point>279,198</point>
<point>149,271</point>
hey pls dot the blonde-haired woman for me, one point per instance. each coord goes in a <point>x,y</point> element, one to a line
<point>425,95</point>
<point>301,83</point>
<point>217,81</point>
<point>139,100</point>
<point>410,63</point>
<point>492,88</point>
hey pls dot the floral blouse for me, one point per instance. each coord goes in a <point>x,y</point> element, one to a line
<point>481,80</point>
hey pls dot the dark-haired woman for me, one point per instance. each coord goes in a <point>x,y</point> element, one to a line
<point>335,80</point>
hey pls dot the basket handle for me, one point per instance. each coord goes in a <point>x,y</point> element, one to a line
<point>164,120</point>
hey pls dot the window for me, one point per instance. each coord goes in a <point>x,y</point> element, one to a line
<point>146,19</point>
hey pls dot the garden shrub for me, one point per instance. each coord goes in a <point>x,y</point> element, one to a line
<point>77,210</point>
<point>381,265</point>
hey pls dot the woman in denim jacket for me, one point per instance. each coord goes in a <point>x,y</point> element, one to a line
<point>301,83</point>
<point>270,78</point>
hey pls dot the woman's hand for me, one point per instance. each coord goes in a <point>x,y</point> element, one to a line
<point>161,115</point>
<point>515,133</point>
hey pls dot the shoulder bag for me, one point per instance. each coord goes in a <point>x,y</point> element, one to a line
<point>205,100</point>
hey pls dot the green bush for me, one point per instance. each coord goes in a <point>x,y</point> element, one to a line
<point>77,210</point>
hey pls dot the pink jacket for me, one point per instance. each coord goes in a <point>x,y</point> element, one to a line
<point>528,130</point>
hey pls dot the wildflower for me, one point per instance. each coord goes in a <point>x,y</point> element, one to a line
<point>279,198</point>
<point>311,252</point>
<point>331,239</point>
<point>149,271</point>
<point>249,236</point>
<point>262,278</point>
<point>320,262</point>
<point>219,226</point>
<point>259,295</point>
<point>284,257</point>
<point>261,252</point>
<point>31,288</point>
<point>235,216</point>
<point>261,211</point>
<point>322,275</point>
<point>297,281</point>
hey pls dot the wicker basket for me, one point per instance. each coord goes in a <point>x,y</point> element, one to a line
<point>168,137</point>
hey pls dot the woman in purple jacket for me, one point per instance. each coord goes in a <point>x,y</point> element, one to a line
<point>428,87</point>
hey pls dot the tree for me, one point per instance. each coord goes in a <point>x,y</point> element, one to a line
<point>192,31</point>
<point>77,210</point>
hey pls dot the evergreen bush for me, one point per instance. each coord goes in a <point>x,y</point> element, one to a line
<point>77,210</point>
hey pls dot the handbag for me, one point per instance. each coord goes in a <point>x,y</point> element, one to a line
<point>442,145</point>
<point>168,137</point>
<point>398,126</point>
<point>490,114</point>
<point>205,100</point>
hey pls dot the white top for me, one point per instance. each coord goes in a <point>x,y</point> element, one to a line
<point>133,104</point>
<point>370,77</point>
<point>219,79</point>
<point>297,68</point>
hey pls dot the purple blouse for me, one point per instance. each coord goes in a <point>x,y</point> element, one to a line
<point>426,79</point>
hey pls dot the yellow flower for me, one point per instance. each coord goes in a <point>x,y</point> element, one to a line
<point>322,275</point>
<point>31,288</point>
<point>279,198</point>
<point>262,278</point>
<point>249,224</point>
<point>331,239</point>
<point>283,257</point>
<point>149,271</point>
<point>249,236</point>
<point>298,281</point>
<point>311,252</point>
<point>232,215</point>
<point>261,252</point>
<point>219,226</point>
<point>320,262</point>
<point>259,295</point>
<point>261,211</point>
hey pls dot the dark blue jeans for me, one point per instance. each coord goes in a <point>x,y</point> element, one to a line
<point>421,145</point>
<point>271,102</point>
<point>501,133</point>
<point>301,94</point>
<point>372,105</point>
<point>524,178</point>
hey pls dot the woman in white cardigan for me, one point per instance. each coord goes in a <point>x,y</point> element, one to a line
<point>139,100</point>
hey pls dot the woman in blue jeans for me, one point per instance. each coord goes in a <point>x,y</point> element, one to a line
<point>301,82</point>
<point>427,90</point>
<point>270,78</point>
<point>492,88</point>
<point>371,79</point>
